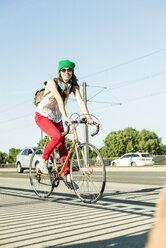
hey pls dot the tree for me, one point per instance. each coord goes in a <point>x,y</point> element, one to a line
<point>131,140</point>
<point>118,143</point>
<point>68,142</point>
<point>149,142</point>
<point>41,143</point>
<point>12,155</point>
<point>3,158</point>
<point>163,149</point>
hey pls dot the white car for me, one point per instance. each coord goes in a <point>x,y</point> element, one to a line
<point>24,157</point>
<point>134,159</point>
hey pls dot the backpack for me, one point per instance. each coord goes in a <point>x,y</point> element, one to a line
<point>39,96</point>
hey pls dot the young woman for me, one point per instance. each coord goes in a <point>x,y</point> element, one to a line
<point>50,110</point>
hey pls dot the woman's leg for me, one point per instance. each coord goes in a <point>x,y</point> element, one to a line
<point>49,128</point>
<point>62,148</point>
<point>54,131</point>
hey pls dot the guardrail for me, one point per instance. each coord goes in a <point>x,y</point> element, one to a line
<point>158,160</point>
<point>7,165</point>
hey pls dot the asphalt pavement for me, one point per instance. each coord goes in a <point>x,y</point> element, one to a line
<point>122,218</point>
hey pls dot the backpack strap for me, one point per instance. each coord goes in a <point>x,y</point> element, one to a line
<point>46,94</point>
<point>61,88</point>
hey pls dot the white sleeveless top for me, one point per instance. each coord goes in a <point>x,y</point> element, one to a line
<point>48,107</point>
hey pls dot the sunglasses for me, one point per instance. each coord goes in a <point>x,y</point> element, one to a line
<point>66,70</point>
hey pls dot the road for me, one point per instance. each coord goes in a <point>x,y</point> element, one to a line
<point>136,175</point>
<point>122,218</point>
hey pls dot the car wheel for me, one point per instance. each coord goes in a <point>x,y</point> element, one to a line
<point>114,164</point>
<point>133,164</point>
<point>19,168</point>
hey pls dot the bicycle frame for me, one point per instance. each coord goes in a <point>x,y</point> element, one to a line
<point>74,132</point>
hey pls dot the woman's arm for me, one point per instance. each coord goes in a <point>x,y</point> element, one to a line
<point>82,105</point>
<point>51,86</point>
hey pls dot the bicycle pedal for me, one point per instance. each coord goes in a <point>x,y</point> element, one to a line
<point>54,183</point>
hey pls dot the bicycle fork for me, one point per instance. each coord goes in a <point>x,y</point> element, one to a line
<point>85,156</point>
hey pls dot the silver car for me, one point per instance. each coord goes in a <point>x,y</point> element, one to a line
<point>24,157</point>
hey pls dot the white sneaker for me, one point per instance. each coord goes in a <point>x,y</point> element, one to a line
<point>43,168</point>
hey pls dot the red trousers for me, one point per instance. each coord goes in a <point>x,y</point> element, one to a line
<point>54,131</point>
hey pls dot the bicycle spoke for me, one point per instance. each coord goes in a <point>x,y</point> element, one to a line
<point>88,172</point>
<point>40,183</point>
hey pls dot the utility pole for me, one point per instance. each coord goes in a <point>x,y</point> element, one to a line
<point>86,135</point>
<point>41,138</point>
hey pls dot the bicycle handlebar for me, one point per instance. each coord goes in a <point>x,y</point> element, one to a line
<point>82,121</point>
<point>67,129</point>
<point>97,128</point>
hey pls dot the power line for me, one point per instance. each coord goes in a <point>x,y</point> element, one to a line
<point>96,94</point>
<point>23,116</point>
<point>111,103</point>
<point>115,66</point>
<point>125,63</point>
<point>117,85</point>
<point>137,99</point>
<point>14,106</point>
<point>145,96</point>
<point>124,83</point>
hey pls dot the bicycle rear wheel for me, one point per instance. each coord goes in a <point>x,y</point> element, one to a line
<point>88,172</point>
<point>41,184</point>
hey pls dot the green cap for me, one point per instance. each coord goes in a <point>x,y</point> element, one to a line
<point>66,63</point>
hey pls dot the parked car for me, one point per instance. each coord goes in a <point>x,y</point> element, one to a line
<point>134,159</point>
<point>24,156</point>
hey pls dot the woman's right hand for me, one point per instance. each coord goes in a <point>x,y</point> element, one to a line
<point>68,120</point>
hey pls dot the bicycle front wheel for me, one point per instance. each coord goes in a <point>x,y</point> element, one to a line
<point>40,183</point>
<point>88,172</point>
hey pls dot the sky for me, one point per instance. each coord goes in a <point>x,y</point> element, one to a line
<point>119,48</point>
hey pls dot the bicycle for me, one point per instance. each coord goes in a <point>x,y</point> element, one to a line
<point>86,168</point>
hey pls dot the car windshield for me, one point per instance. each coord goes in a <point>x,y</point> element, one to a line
<point>20,152</point>
<point>146,155</point>
<point>38,152</point>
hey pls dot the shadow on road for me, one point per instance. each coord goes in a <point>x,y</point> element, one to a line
<point>120,219</point>
<point>106,199</point>
<point>136,241</point>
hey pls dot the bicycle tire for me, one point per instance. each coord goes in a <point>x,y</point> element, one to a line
<point>91,176</point>
<point>41,184</point>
